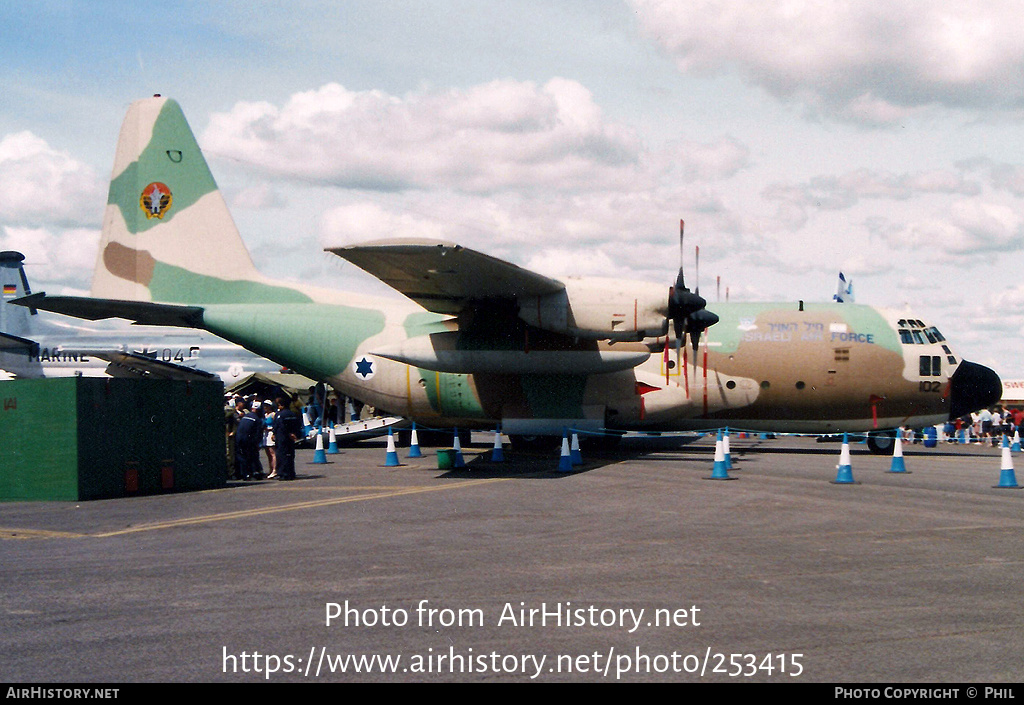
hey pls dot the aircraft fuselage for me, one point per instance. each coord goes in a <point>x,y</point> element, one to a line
<point>813,368</point>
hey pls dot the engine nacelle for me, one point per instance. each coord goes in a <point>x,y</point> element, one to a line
<point>600,309</point>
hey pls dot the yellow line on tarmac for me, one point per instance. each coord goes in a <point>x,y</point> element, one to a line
<point>377,493</point>
<point>292,507</point>
<point>37,534</point>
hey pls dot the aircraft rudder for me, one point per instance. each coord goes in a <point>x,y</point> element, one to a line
<point>14,320</point>
<point>165,218</point>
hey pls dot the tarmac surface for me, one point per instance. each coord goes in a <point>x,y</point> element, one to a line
<point>633,567</point>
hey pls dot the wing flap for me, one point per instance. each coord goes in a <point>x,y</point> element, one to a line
<point>443,277</point>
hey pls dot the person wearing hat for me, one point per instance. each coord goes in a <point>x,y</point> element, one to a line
<point>247,438</point>
<point>232,415</point>
<point>287,429</point>
<point>268,438</point>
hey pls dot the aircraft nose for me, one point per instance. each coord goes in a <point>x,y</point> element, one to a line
<point>973,387</point>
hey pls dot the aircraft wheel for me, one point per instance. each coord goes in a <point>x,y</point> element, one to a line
<point>882,443</point>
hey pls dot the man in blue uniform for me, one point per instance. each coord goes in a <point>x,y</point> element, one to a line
<point>287,430</point>
<point>247,437</point>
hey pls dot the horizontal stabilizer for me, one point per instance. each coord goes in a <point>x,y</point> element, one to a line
<point>14,344</point>
<point>143,312</point>
<point>443,277</point>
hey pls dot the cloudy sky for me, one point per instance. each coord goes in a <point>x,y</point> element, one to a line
<point>796,139</point>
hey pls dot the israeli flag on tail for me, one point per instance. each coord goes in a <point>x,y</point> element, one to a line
<point>844,292</point>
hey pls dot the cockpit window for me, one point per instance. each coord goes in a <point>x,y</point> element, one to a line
<point>910,335</point>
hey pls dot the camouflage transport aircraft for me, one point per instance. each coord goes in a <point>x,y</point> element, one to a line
<point>480,341</point>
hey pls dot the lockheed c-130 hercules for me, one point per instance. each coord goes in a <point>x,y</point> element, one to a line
<point>480,341</point>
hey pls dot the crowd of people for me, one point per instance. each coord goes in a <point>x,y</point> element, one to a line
<point>986,427</point>
<point>254,425</point>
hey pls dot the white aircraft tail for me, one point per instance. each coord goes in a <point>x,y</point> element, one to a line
<point>14,320</point>
<point>167,233</point>
<point>844,291</point>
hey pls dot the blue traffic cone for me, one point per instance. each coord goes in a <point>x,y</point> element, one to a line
<point>318,455</point>
<point>897,456</point>
<point>844,476</point>
<point>460,462</point>
<point>414,444</point>
<point>391,459</point>
<point>565,460</point>
<point>725,449</point>
<point>1016,442</point>
<point>574,451</point>
<point>332,444</point>
<point>719,471</point>
<point>1007,478</point>
<point>497,453</point>
<point>306,425</point>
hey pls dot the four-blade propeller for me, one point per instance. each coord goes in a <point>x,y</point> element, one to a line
<point>687,309</point>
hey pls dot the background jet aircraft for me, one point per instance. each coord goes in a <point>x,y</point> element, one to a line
<point>480,340</point>
<point>33,345</point>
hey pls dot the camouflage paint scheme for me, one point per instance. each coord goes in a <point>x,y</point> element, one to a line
<point>168,238</point>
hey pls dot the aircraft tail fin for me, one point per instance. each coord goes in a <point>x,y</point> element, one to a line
<point>167,233</point>
<point>844,291</point>
<point>14,320</point>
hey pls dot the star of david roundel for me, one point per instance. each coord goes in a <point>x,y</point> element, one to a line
<point>364,368</point>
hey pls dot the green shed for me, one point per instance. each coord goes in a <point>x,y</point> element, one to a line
<point>79,438</point>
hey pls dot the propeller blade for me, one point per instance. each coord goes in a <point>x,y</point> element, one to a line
<point>696,270</point>
<point>688,310</point>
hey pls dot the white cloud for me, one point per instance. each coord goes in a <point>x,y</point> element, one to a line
<point>972,228</point>
<point>630,234</point>
<point>40,185</point>
<point>838,192</point>
<point>558,262</point>
<point>64,255</point>
<point>500,135</point>
<point>991,226</point>
<point>259,197</point>
<point>872,111</point>
<point>720,159</point>
<point>1009,302</point>
<point>858,60</point>
<point>1008,177</point>
<point>362,222</point>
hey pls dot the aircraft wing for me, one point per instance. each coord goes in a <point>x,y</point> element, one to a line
<point>442,276</point>
<point>144,312</point>
<point>122,363</point>
<point>125,364</point>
